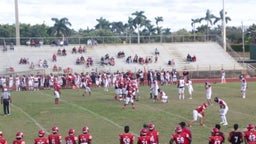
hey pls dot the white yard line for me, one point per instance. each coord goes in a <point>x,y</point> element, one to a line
<point>30,117</point>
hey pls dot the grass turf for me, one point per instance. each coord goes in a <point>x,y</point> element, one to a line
<point>34,110</point>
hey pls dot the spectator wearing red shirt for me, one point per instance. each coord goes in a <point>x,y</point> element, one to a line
<point>180,137</point>
<point>41,139</point>
<point>55,137</point>
<point>2,139</point>
<point>126,137</point>
<point>85,137</point>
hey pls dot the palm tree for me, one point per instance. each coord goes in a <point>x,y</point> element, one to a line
<point>208,18</point>
<point>60,27</point>
<point>217,19</point>
<point>158,19</point>
<point>139,21</point>
<point>149,29</point>
<point>117,27</point>
<point>193,23</point>
<point>102,24</point>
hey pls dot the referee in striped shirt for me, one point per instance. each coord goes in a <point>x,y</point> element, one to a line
<point>6,100</point>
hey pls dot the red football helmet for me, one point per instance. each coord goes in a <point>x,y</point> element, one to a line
<point>1,133</point>
<point>143,132</point>
<point>250,126</point>
<point>216,130</point>
<point>85,129</point>
<point>41,133</point>
<point>151,126</point>
<point>55,129</point>
<point>19,135</point>
<point>178,129</point>
<point>71,131</point>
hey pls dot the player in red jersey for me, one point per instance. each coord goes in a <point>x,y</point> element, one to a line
<point>198,113</point>
<point>215,137</point>
<point>71,138</point>
<point>185,129</point>
<point>85,137</point>
<point>41,139</point>
<point>56,92</point>
<point>129,97</point>
<point>2,139</point>
<point>153,133</point>
<point>143,138</point>
<point>180,137</point>
<point>126,137</point>
<point>55,137</point>
<point>19,138</point>
<point>250,134</point>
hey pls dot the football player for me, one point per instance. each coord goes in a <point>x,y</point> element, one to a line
<point>41,139</point>
<point>223,110</point>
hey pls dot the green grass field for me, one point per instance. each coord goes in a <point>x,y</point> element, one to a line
<point>34,110</point>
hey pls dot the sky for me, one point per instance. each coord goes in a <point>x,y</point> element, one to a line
<point>177,14</point>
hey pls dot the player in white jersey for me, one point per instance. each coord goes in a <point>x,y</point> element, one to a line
<point>11,82</point>
<point>190,88</point>
<point>223,110</point>
<point>243,87</point>
<point>181,88</point>
<point>31,82</point>
<point>36,82</point>
<point>17,83</point>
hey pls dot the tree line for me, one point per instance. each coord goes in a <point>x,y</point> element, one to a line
<point>138,29</point>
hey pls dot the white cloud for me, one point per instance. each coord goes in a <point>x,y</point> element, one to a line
<point>177,14</point>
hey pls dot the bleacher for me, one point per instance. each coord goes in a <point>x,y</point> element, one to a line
<point>209,55</point>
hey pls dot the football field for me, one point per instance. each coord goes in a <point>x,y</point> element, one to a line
<point>34,110</point>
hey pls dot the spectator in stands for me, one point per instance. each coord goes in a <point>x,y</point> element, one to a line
<point>189,58</point>
<point>82,60</point>
<point>55,68</point>
<point>45,64</point>
<point>64,52</point>
<point>54,58</point>
<point>59,52</point>
<point>40,63</point>
<point>157,53</point>
<point>80,49</point>
<point>194,58</point>
<point>135,59</point>
<point>78,61</point>
<point>32,66</point>
<point>74,50</point>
